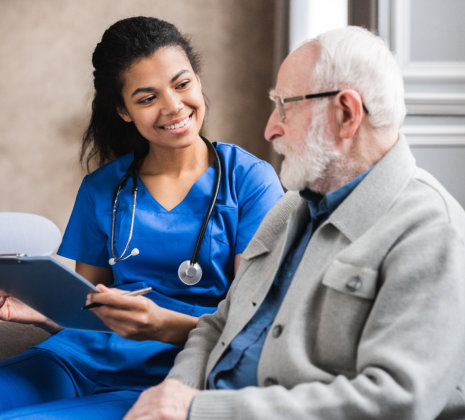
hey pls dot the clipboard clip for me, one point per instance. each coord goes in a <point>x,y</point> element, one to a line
<point>17,255</point>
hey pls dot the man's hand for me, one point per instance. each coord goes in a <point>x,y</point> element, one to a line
<point>168,401</point>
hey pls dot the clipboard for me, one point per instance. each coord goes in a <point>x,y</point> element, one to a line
<point>52,289</point>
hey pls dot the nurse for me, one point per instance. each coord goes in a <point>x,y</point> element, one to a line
<point>147,114</point>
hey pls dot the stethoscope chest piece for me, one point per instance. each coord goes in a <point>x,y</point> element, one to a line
<point>190,274</point>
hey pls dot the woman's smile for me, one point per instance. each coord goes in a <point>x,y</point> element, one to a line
<point>179,126</point>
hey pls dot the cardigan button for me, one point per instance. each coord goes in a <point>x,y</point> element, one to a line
<point>277,330</point>
<point>270,382</point>
<point>354,284</point>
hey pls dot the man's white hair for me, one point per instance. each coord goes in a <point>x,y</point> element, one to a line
<point>354,58</point>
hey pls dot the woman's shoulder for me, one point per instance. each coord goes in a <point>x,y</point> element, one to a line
<point>103,181</point>
<point>232,150</point>
<point>237,159</point>
<point>111,171</point>
<point>246,173</point>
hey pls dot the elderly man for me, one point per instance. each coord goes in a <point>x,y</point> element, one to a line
<point>350,299</point>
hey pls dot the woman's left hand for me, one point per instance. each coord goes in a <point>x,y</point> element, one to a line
<point>13,310</point>
<point>139,318</point>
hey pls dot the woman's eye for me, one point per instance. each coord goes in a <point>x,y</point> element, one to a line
<point>183,84</point>
<point>146,100</point>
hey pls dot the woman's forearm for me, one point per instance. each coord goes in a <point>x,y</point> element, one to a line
<point>49,326</point>
<point>175,327</point>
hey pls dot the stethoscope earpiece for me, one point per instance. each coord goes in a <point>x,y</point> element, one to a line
<point>189,271</point>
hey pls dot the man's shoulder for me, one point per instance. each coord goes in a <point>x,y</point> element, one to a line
<point>422,203</point>
<point>284,207</point>
<point>276,219</point>
<point>434,198</point>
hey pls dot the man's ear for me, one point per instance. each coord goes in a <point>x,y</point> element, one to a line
<point>349,113</point>
<point>123,113</point>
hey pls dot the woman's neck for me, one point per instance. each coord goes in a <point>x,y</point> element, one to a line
<point>175,162</point>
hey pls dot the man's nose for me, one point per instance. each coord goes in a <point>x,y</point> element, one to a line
<point>274,127</point>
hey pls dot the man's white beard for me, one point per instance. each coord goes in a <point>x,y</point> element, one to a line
<point>307,163</point>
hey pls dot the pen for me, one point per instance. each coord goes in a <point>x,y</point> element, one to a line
<point>133,293</point>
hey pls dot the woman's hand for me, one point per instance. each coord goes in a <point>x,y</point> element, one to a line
<point>14,310</point>
<point>139,318</point>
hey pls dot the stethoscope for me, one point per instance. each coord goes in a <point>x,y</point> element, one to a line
<point>189,271</point>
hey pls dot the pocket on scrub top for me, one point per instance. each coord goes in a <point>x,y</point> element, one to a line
<point>223,231</point>
<point>347,298</point>
<point>122,226</point>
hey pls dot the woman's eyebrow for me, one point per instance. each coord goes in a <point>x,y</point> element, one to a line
<point>178,74</point>
<point>150,89</point>
<point>143,90</point>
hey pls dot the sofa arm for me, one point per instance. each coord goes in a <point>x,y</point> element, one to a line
<point>15,337</point>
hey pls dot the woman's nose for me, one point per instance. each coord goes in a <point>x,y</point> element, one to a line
<point>172,104</point>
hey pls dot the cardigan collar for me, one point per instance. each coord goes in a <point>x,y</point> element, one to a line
<point>361,209</point>
<point>376,193</point>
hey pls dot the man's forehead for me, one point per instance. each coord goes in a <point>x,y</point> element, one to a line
<point>296,70</point>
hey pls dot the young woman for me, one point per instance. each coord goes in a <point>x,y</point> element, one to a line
<point>163,195</point>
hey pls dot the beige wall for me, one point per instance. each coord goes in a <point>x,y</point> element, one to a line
<point>46,84</point>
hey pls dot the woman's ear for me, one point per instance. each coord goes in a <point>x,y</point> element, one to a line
<point>123,113</point>
<point>349,113</point>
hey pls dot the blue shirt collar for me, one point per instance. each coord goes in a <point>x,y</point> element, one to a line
<point>321,206</point>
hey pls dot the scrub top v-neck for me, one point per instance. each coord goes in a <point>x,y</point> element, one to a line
<point>249,188</point>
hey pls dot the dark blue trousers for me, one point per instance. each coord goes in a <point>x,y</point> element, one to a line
<point>37,384</point>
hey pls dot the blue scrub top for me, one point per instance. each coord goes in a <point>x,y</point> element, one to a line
<point>249,188</point>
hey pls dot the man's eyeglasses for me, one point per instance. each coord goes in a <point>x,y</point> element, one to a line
<point>279,101</point>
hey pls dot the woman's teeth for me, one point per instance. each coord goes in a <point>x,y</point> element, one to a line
<point>177,125</point>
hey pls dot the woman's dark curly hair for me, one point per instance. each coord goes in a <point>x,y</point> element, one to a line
<point>108,137</point>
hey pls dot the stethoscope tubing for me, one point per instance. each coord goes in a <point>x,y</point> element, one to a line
<point>216,188</point>
<point>132,172</point>
<point>135,187</point>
